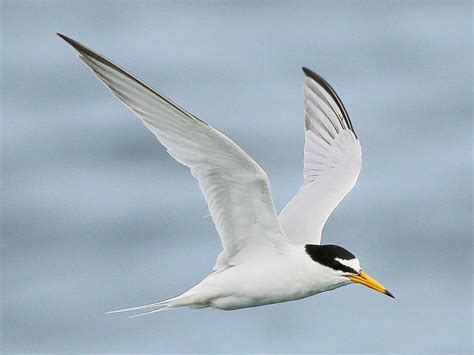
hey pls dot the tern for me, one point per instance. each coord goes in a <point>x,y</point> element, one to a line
<point>266,258</point>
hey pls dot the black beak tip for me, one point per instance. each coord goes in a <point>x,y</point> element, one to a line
<point>387,292</point>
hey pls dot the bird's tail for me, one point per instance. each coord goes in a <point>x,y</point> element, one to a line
<point>170,303</point>
<point>155,307</point>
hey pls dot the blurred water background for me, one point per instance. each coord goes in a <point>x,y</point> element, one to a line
<point>96,216</point>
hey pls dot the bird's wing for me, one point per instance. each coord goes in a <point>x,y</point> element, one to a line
<point>332,162</point>
<point>235,187</point>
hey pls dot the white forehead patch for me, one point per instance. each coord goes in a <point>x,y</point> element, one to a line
<point>352,263</point>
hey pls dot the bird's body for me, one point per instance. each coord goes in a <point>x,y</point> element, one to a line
<point>266,258</point>
<point>264,279</point>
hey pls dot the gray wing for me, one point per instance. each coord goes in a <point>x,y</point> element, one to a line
<point>235,187</point>
<point>332,163</point>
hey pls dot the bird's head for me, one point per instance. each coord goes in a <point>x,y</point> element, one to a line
<point>343,265</point>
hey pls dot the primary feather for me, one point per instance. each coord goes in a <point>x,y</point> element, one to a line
<point>332,163</point>
<point>235,187</point>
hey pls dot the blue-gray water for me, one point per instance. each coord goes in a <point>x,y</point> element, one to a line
<point>96,216</point>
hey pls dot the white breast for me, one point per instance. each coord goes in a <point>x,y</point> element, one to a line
<point>266,280</point>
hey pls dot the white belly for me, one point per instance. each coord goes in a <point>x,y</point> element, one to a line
<point>263,281</point>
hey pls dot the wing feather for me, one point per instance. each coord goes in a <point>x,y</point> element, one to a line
<point>235,187</point>
<point>332,163</point>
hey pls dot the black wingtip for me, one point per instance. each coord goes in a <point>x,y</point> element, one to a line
<point>66,38</point>
<point>315,76</point>
<point>389,294</point>
<point>309,72</point>
<point>85,51</point>
<point>72,42</point>
<point>321,81</point>
<point>306,71</point>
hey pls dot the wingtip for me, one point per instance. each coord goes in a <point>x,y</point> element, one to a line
<point>313,75</point>
<point>64,37</point>
<point>75,44</point>
<point>306,71</point>
<point>321,81</point>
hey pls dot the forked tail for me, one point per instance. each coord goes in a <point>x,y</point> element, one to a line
<point>156,307</point>
<point>179,301</point>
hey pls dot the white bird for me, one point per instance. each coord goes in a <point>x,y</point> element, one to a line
<point>265,259</point>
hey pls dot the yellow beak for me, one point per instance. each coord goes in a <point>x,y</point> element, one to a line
<point>366,280</point>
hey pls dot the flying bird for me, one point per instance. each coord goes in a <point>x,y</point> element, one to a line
<point>266,258</point>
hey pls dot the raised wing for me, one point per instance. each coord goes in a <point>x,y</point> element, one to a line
<point>332,162</point>
<point>235,187</point>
